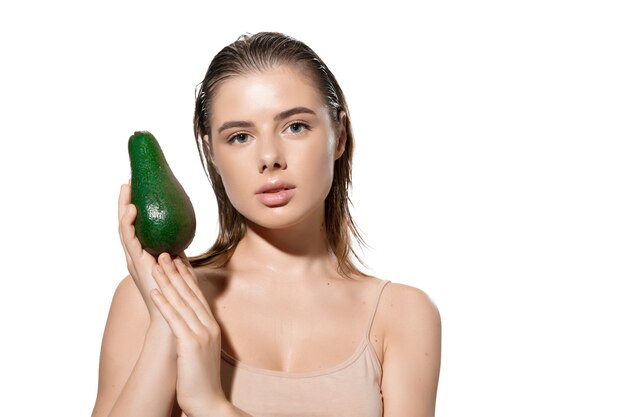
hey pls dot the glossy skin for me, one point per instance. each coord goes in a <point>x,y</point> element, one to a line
<point>257,149</point>
<point>158,348</point>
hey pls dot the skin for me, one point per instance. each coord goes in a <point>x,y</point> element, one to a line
<point>168,322</point>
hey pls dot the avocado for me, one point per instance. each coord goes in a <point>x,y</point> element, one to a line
<point>166,221</point>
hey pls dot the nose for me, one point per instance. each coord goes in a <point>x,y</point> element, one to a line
<point>271,155</point>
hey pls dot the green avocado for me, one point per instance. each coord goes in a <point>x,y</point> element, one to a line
<point>166,221</point>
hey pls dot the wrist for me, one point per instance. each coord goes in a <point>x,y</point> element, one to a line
<point>158,324</point>
<point>159,332</point>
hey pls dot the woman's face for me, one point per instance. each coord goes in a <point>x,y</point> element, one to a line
<point>274,146</point>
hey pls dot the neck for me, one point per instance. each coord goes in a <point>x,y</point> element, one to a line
<point>297,251</point>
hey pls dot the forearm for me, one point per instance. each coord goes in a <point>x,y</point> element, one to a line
<point>150,388</point>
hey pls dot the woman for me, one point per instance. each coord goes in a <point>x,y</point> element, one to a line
<point>275,319</point>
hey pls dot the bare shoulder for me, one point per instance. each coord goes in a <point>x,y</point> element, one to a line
<point>404,305</point>
<point>128,310</point>
<point>409,319</point>
<point>412,351</point>
<point>122,341</point>
<point>126,325</point>
<point>127,290</point>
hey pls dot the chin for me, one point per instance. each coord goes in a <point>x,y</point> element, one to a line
<point>282,217</point>
<point>274,222</point>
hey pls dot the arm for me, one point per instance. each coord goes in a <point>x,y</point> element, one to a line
<point>137,362</point>
<point>184,307</point>
<point>412,353</point>
<point>137,370</point>
<point>140,355</point>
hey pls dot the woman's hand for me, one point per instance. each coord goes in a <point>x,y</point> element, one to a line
<point>139,262</point>
<point>198,337</point>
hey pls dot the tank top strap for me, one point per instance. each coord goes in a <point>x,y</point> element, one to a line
<point>381,286</point>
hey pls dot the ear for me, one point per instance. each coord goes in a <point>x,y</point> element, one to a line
<point>342,135</point>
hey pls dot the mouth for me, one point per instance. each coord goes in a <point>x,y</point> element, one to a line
<point>275,194</point>
<point>275,187</point>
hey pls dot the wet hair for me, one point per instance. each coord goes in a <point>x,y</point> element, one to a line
<point>257,53</point>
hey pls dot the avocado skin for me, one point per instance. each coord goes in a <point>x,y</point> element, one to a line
<point>166,221</point>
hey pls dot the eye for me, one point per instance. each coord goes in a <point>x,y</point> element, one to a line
<point>298,127</point>
<point>238,138</point>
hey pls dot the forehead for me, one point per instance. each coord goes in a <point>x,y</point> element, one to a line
<point>264,93</point>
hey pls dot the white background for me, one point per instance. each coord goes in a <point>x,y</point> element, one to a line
<point>489,172</point>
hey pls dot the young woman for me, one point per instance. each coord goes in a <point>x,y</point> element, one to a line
<point>275,319</point>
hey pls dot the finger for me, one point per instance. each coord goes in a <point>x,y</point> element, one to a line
<point>180,278</point>
<point>123,200</point>
<point>194,295</point>
<point>122,207</point>
<point>174,298</point>
<point>129,239</point>
<point>186,271</point>
<point>178,325</point>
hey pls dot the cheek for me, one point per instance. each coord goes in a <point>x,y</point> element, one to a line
<point>233,183</point>
<point>315,169</point>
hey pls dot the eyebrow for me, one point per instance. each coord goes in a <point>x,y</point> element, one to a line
<point>280,116</point>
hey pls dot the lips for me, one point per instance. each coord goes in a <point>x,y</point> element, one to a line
<point>275,193</point>
<point>274,187</point>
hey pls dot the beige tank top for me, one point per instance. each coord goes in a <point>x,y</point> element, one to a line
<point>351,388</point>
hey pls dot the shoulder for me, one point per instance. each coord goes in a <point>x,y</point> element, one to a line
<point>412,351</point>
<point>127,321</point>
<point>122,341</point>
<point>398,298</point>
<point>406,310</point>
<point>128,301</point>
<point>126,289</point>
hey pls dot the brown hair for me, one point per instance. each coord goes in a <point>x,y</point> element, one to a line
<point>255,53</point>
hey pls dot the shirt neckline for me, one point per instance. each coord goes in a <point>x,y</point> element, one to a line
<point>285,374</point>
